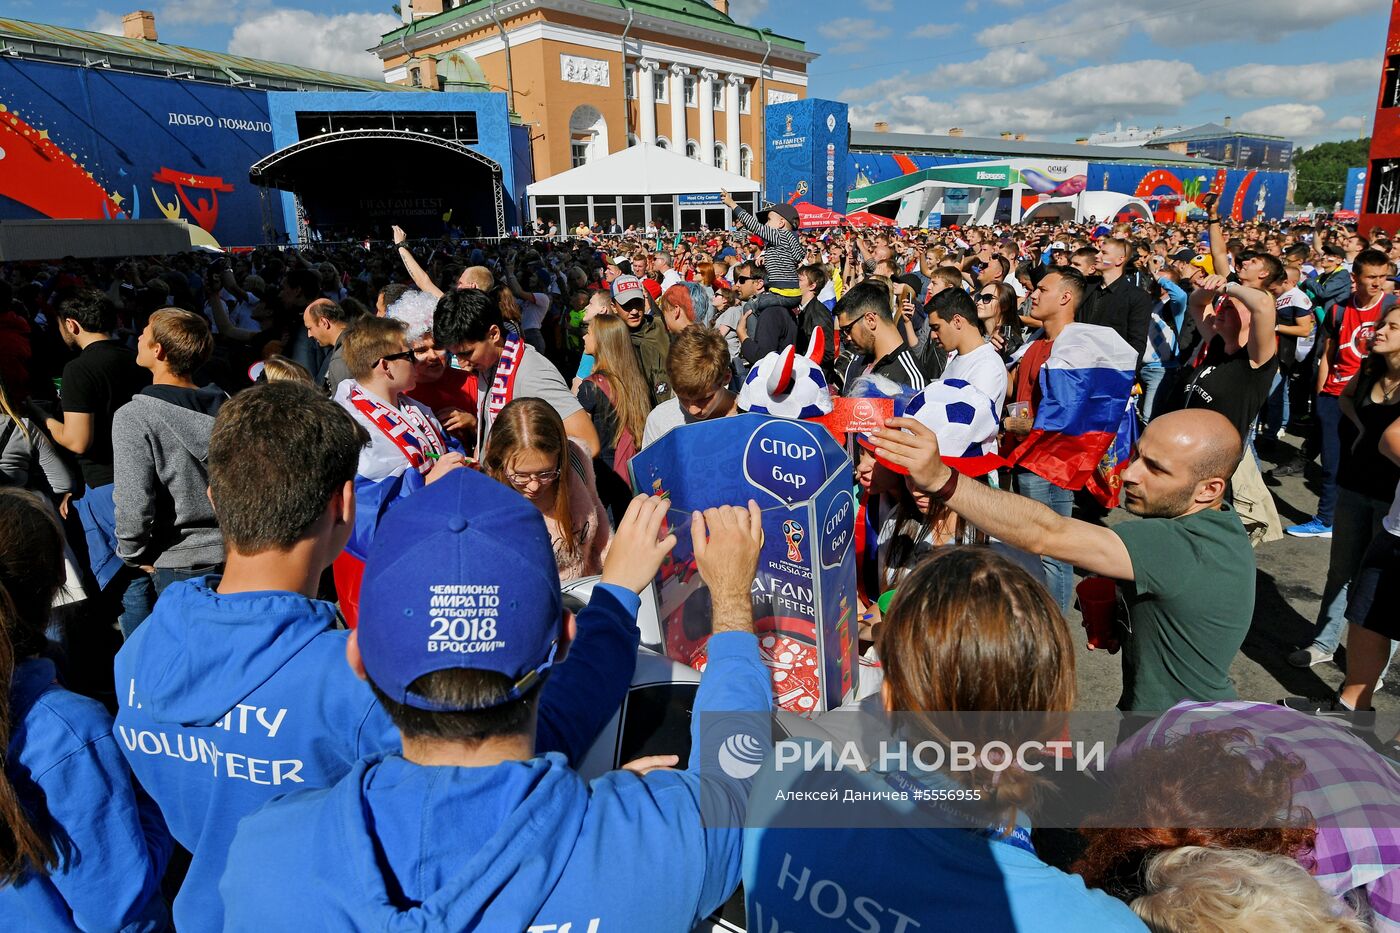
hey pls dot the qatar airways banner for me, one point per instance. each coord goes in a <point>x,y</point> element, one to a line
<point>94,144</point>
<point>804,596</point>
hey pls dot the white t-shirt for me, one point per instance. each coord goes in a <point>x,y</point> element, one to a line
<point>532,312</point>
<point>672,277</point>
<point>537,378</point>
<point>982,368</point>
<point>663,419</point>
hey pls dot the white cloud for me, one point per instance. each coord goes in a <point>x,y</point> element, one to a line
<point>1249,20</point>
<point>1291,120</point>
<point>1317,81</point>
<point>1072,31</point>
<point>934,30</point>
<point>201,12</point>
<point>746,11</point>
<point>300,37</point>
<point>105,21</point>
<point>850,27</point>
<point>998,68</point>
<point>1076,102</point>
<point>1352,124</point>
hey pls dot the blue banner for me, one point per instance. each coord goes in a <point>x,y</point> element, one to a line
<point>804,596</point>
<point>807,153</point>
<point>1355,192</point>
<point>701,200</point>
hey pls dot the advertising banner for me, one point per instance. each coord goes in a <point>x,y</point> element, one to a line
<point>807,153</point>
<point>1355,191</point>
<point>95,144</point>
<point>804,596</point>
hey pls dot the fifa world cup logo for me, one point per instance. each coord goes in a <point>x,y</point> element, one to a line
<point>794,534</point>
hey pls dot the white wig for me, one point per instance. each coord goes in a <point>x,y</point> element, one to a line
<point>415,309</point>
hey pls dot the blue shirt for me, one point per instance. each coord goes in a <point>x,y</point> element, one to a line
<point>521,845</point>
<point>227,701</point>
<point>113,846</point>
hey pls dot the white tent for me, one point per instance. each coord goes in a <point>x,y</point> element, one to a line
<point>642,169</point>
<point>641,184</point>
<point>1101,205</point>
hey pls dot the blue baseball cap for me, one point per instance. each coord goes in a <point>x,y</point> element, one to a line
<point>461,574</point>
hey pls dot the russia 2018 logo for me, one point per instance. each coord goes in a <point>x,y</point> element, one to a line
<point>793,534</point>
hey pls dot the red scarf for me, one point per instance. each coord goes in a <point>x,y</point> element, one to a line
<point>413,432</point>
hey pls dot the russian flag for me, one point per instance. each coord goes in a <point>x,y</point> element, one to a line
<point>1106,484</point>
<point>1085,387</point>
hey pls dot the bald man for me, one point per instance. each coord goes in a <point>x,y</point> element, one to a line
<point>1185,570</point>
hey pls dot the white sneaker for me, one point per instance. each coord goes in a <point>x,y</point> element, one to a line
<point>1309,657</point>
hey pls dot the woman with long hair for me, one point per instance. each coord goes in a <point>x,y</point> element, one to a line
<point>529,451</point>
<point>27,456</point>
<point>1368,475</point>
<point>968,631</point>
<point>615,395</point>
<point>996,308</point>
<point>79,848</point>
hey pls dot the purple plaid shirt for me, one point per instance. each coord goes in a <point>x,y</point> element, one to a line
<point>1352,792</point>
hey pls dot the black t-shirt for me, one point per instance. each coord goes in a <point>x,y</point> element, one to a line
<point>600,409</point>
<point>1363,468</point>
<point>1227,383</point>
<point>100,380</point>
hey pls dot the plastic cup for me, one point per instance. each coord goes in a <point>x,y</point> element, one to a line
<point>1098,600</point>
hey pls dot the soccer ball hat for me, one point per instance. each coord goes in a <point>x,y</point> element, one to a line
<point>461,574</point>
<point>962,417</point>
<point>785,385</point>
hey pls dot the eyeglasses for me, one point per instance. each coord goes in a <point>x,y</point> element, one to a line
<point>521,480</point>
<point>407,355</point>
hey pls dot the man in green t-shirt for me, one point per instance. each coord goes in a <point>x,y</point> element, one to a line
<point>1186,570</point>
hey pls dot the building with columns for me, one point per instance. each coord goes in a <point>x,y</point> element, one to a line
<point>591,77</point>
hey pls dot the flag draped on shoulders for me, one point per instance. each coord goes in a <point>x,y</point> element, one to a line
<point>404,443</point>
<point>1085,425</point>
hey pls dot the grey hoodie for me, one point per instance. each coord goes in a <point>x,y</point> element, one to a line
<point>160,446</point>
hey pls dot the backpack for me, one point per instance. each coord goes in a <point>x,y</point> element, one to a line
<point>626,447</point>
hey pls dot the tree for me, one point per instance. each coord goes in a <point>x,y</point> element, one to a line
<point>1322,170</point>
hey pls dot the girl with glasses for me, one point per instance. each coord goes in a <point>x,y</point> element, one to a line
<point>529,452</point>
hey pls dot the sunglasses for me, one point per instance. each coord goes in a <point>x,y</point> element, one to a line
<point>390,357</point>
<point>741,279</point>
<point>983,298</point>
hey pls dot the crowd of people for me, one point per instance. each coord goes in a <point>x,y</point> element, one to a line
<point>283,534</point>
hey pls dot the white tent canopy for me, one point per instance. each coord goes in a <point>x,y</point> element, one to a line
<point>1101,205</point>
<point>642,169</point>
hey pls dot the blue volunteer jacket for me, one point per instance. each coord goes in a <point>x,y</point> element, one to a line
<point>113,846</point>
<point>804,880</point>
<point>516,846</point>
<point>226,701</point>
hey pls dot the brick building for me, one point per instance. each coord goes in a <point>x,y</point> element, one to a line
<point>591,77</point>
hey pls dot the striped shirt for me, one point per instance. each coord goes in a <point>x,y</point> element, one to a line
<point>782,253</point>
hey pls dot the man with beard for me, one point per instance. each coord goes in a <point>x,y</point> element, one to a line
<point>1185,571</point>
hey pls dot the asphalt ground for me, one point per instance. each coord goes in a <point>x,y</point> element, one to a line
<point>1288,591</point>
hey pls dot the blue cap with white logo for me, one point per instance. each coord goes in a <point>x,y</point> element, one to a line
<point>461,574</point>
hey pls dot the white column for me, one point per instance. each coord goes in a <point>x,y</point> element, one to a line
<point>731,120</point>
<point>678,73</point>
<point>646,101</point>
<point>707,116</point>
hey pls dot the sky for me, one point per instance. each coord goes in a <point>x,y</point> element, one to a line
<point>1305,69</point>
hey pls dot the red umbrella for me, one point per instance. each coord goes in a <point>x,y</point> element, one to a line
<point>867,219</point>
<point>809,215</point>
